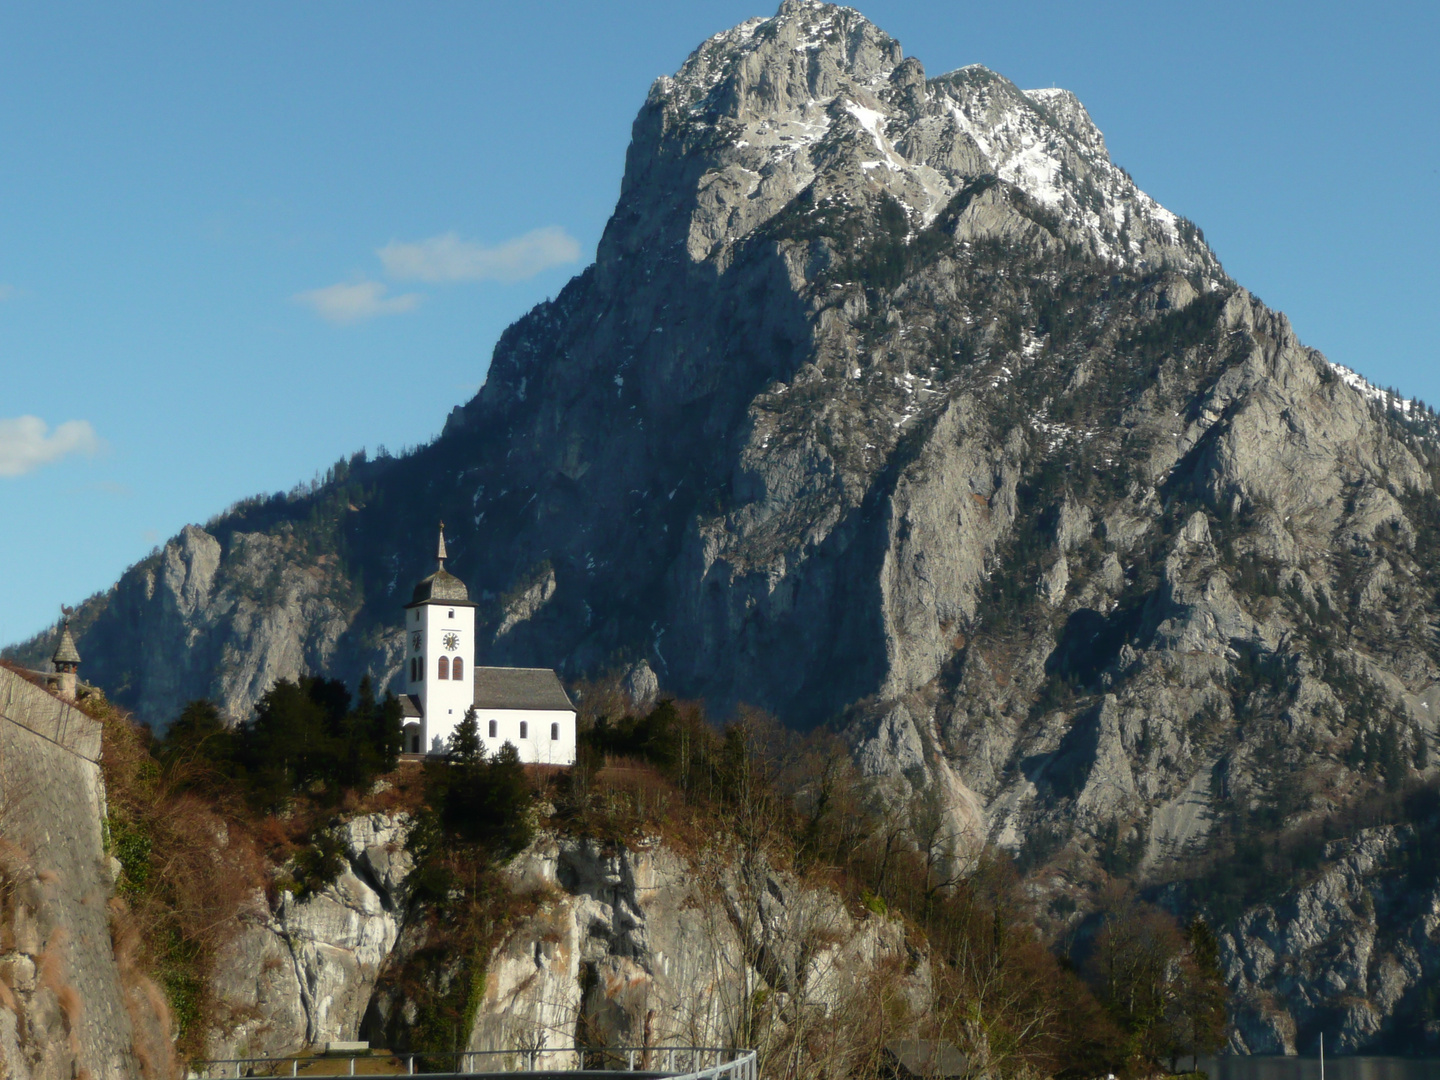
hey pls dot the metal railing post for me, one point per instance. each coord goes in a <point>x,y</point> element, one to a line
<point>681,1062</point>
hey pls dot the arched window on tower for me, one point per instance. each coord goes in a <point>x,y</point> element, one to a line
<point>444,668</point>
<point>412,669</point>
<point>457,668</point>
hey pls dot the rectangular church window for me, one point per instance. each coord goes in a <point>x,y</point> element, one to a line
<point>524,729</point>
<point>554,732</point>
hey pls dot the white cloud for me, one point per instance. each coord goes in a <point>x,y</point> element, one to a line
<point>354,302</point>
<point>448,258</point>
<point>26,443</point>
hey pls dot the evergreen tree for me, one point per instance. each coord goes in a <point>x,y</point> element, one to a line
<point>290,743</point>
<point>306,737</point>
<point>481,800</point>
<point>465,747</point>
<point>1205,994</point>
<point>197,746</point>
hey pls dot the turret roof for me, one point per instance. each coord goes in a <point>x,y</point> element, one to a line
<point>441,587</point>
<point>65,651</point>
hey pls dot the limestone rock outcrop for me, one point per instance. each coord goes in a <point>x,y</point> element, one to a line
<point>219,615</point>
<point>643,948</point>
<point>302,974</point>
<point>1351,957</point>
<point>629,944</point>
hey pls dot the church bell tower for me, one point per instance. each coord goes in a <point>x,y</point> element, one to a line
<point>440,653</point>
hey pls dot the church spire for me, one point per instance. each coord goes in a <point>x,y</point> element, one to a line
<point>440,554</point>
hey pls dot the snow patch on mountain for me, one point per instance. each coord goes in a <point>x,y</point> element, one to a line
<point>1409,408</point>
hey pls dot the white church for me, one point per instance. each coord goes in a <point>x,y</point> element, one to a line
<point>524,706</point>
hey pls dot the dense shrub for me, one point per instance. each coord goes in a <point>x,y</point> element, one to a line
<point>173,912</point>
<point>305,737</point>
<point>479,800</point>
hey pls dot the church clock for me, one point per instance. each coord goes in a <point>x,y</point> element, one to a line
<point>451,642</point>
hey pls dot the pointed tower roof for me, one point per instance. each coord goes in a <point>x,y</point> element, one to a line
<point>441,587</point>
<point>65,651</point>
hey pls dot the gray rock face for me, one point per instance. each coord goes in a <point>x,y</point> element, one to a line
<point>302,974</point>
<point>632,945</point>
<point>1349,955</point>
<point>641,686</point>
<point>644,948</point>
<point>225,621</point>
<point>891,401</point>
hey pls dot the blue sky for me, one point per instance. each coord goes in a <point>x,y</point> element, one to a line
<point>240,241</point>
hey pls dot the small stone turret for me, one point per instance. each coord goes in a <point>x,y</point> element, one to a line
<point>66,660</point>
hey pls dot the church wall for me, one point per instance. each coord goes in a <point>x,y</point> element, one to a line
<point>537,748</point>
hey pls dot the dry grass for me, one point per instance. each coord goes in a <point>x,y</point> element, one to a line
<point>194,863</point>
<point>145,1002</point>
<point>50,975</point>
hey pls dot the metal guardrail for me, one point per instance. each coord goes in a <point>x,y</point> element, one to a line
<point>692,1063</point>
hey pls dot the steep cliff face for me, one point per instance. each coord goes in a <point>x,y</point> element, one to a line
<point>202,619</point>
<point>71,1003</point>
<point>890,400</point>
<point>628,945</point>
<point>1351,957</point>
<point>301,973</point>
<point>641,947</point>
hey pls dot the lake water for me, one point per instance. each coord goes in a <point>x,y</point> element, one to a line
<point>1308,1068</point>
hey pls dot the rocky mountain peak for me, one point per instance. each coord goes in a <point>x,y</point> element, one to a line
<point>818,95</point>
<point>765,68</point>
